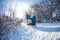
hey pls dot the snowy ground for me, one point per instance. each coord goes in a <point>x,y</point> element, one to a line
<point>37,32</point>
<point>48,25</point>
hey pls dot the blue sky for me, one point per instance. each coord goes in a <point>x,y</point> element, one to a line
<point>25,1</point>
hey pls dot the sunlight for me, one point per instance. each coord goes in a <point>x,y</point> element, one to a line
<point>20,9</point>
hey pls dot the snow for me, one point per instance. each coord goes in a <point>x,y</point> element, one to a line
<point>48,25</point>
<point>25,32</point>
<point>42,31</point>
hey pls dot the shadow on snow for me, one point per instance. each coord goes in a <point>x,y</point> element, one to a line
<point>48,29</point>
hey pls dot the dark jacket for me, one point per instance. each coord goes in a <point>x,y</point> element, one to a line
<point>33,19</point>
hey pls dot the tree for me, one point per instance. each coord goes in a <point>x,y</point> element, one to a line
<point>44,10</point>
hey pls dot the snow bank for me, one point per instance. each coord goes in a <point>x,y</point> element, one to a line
<point>26,32</point>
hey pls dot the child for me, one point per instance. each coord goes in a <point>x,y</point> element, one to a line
<point>28,16</point>
<point>31,20</point>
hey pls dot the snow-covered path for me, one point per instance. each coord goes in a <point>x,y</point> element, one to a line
<point>48,25</point>
<point>32,33</point>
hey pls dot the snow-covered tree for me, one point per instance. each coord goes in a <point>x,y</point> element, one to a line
<point>44,9</point>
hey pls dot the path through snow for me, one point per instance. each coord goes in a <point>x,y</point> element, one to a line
<point>30,33</point>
